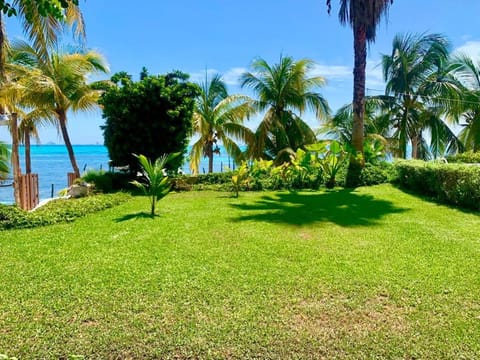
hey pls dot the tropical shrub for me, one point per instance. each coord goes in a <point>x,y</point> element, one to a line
<point>151,117</point>
<point>240,178</point>
<point>155,182</point>
<point>107,181</point>
<point>56,211</point>
<point>457,184</point>
<point>332,156</point>
<point>468,157</point>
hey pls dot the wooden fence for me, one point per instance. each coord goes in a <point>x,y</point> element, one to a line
<point>28,188</point>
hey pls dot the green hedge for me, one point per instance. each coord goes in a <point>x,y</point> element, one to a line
<point>60,210</point>
<point>383,172</point>
<point>468,157</point>
<point>457,184</point>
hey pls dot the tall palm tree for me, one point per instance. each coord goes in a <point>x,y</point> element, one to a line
<point>422,92</point>
<point>58,84</point>
<point>467,71</point>
<point>219,118</point>
<point>363,16</point>
<point>283,90</point>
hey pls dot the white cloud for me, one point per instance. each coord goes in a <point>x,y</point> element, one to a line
<point>374,81</point>
<point>231,77</point>
<point>332,72</point>
<point>470,48</point>
<point>336,74</point>
<point>199,76</point>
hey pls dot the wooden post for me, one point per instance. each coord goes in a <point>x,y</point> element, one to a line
<point>71,178</point>
<point>28,191</point>
<point>15,159</point>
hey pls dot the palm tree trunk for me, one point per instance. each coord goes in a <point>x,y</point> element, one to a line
<point>415,146</point>
<point>210,157</point>
<point>62,119</point>
<point>3,49</point>
<point>360,52</point>
<point>28,159</point>
<point>153,203</point>
<point>17,172</point>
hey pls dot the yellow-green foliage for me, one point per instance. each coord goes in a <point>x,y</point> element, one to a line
<point>240,178</point>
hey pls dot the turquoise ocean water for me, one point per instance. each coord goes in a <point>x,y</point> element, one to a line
<point>52,164</point>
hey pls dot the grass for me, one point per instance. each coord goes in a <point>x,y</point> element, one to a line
<point>371,273</point>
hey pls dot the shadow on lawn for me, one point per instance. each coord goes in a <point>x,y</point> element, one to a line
<point>342,207</point>
<point>139,215</point>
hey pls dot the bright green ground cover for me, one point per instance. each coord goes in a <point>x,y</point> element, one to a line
<point>374,273</point>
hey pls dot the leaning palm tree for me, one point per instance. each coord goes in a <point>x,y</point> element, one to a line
<point>285,91</point>
<point>219,118</point>
<point>58,84</point>
<point>363,16</point>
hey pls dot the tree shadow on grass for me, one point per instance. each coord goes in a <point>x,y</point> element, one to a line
<point>138,215</point>
<point>342,207</point>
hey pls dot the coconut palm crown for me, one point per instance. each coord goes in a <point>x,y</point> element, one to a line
<point>57,84</point>
<point>219,117</point>
<point>284,92</point>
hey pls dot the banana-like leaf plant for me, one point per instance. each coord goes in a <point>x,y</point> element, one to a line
<point>333,156</point>
<point>4,158</point>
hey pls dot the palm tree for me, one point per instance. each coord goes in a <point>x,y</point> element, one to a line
<point>363,16</point>
<point>377,126</point>
<point>58,84</point>
<point>421,92</point>
<point>467,71</point>
<point>219,117</point>
<point>42,24</point>
<point>283,90</point>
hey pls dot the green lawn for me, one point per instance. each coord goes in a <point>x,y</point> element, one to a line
<point>371,273</point>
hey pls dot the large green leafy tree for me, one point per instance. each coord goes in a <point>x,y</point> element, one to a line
<point>363,16</point>
<point>152,117</point>
<point>421,92</point>
<point>284,92</point>
<point>58,84</point>
<point>219,117</point>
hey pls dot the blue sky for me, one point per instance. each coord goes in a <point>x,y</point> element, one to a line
<point>224,36</point>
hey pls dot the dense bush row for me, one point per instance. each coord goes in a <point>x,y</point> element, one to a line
<point>61,210</point>
<point>457,184</point>
<point>263,175</point>
<point>468,157</point>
